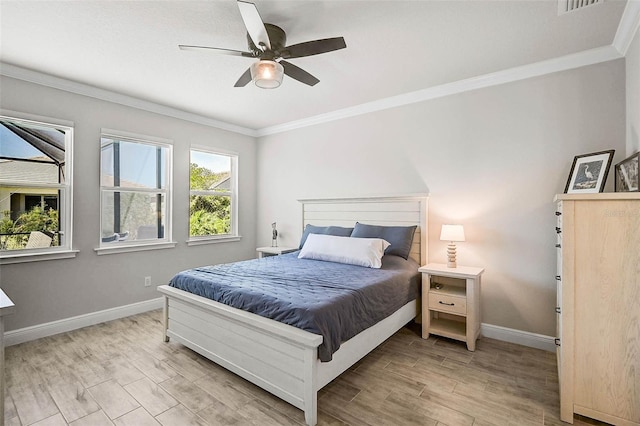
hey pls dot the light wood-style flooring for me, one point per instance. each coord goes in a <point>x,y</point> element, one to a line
<point>122,373</point>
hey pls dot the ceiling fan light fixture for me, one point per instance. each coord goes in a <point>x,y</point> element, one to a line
<point>267,74</point>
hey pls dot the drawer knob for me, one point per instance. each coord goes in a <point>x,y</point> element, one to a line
<point>558,278</point>
<point>557,341</point>
<point>558,213</point>
<point>444,303</point>
<point>558,246</point>
<point>557,309</point>
<point>558,230</point>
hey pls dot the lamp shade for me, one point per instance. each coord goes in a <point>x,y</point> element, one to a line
<point>267,74</point>
<point>452,233</point>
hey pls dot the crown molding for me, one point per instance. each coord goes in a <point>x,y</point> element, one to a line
<point>43,79</point>
<point>624,36</point>
<point>563,63</point>
<point>628,27</point>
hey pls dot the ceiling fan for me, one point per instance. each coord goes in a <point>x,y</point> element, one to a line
<point>267,42</point>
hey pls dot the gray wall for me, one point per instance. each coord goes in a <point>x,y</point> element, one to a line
<point>492,160</point>
<point>633,95</point>
<point>57,289</point>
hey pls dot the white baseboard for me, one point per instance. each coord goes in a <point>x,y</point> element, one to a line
<point>27,334</point>
<point>525,338</point>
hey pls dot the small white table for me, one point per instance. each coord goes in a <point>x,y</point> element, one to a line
<point>274,251</point>
<point>451,302</point>
<point>6,307</point>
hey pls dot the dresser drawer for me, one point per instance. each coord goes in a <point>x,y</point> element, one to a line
<point>447,303</point>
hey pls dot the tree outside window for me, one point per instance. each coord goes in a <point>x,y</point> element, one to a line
<point>212,194</point>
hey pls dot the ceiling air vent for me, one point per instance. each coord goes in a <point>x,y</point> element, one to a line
<point>566,6</point>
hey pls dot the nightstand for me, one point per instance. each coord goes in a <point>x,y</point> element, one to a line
<point>274,251</point>
<point>451,302</point>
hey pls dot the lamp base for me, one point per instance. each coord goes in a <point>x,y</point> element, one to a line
<point>451,255</point>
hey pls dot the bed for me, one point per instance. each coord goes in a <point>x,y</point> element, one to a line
<point>281,358</point>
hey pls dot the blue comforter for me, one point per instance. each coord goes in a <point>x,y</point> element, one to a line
<point>334,300</point>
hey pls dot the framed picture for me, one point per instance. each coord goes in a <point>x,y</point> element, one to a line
<point>627,174</point>
<point>589,172</point>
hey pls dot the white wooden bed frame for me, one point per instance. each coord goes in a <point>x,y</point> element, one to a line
<point>280,358</point>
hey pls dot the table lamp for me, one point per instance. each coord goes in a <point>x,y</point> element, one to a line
<point>452,233</point>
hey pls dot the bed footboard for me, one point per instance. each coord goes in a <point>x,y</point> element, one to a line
<point>165,319</point>
<point>277,357</point>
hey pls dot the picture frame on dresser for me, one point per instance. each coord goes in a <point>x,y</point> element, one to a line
<point>626,171</point>
<point>589,172</point>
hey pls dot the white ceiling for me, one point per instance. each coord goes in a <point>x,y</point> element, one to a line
<point>393,48</point>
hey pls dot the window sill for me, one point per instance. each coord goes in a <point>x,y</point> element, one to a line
<point>131,248</point>
<point>213,240</point>
<point>7,259</point>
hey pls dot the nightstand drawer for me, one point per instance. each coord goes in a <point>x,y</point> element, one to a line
<point>447,303</point>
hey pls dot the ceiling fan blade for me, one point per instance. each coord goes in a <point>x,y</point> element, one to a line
<point>314,47</point>
<point>254,24</point>
<point>217,50</point>
<point>244,79</point>
<point>299,74</point>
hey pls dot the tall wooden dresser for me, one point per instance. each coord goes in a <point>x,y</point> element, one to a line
<point>599,306</point>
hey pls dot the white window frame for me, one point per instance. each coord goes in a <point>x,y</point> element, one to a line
<point>137,245</point>
<point>233,235</point>
<point>65,203</point>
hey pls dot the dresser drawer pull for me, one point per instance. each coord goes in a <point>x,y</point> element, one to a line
<point>558,230</point>
<point>558,213</point>
<point>558,278</point>
<point>448,304</point>
<point>557,309</point>
<point>557,341</point>
<point>558,246</point>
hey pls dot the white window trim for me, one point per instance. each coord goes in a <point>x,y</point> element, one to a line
<point>36,119</point>
<point>134,137</point>
<point>135,247</point>
<point>37,256</point>
<point>234,234</point>
<point>131,246</point>
<point>212,239</point>
<point>52,253</point>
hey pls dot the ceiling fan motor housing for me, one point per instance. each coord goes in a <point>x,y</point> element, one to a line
<point>277,38</point>
<point>272,51</point>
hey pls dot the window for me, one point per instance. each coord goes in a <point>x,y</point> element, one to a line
<point>135,184</point>
<point>35,186</point>
<point>213,194</point>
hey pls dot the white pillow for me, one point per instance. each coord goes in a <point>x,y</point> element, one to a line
<point>366,252</point>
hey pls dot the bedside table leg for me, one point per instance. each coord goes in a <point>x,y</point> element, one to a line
<point>426,314</point>
<point>473,312</point>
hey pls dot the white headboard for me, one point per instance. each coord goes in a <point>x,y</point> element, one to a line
<point>404,210</point>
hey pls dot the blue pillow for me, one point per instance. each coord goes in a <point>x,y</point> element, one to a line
<point>337,231</point>
<point>400,237</point>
